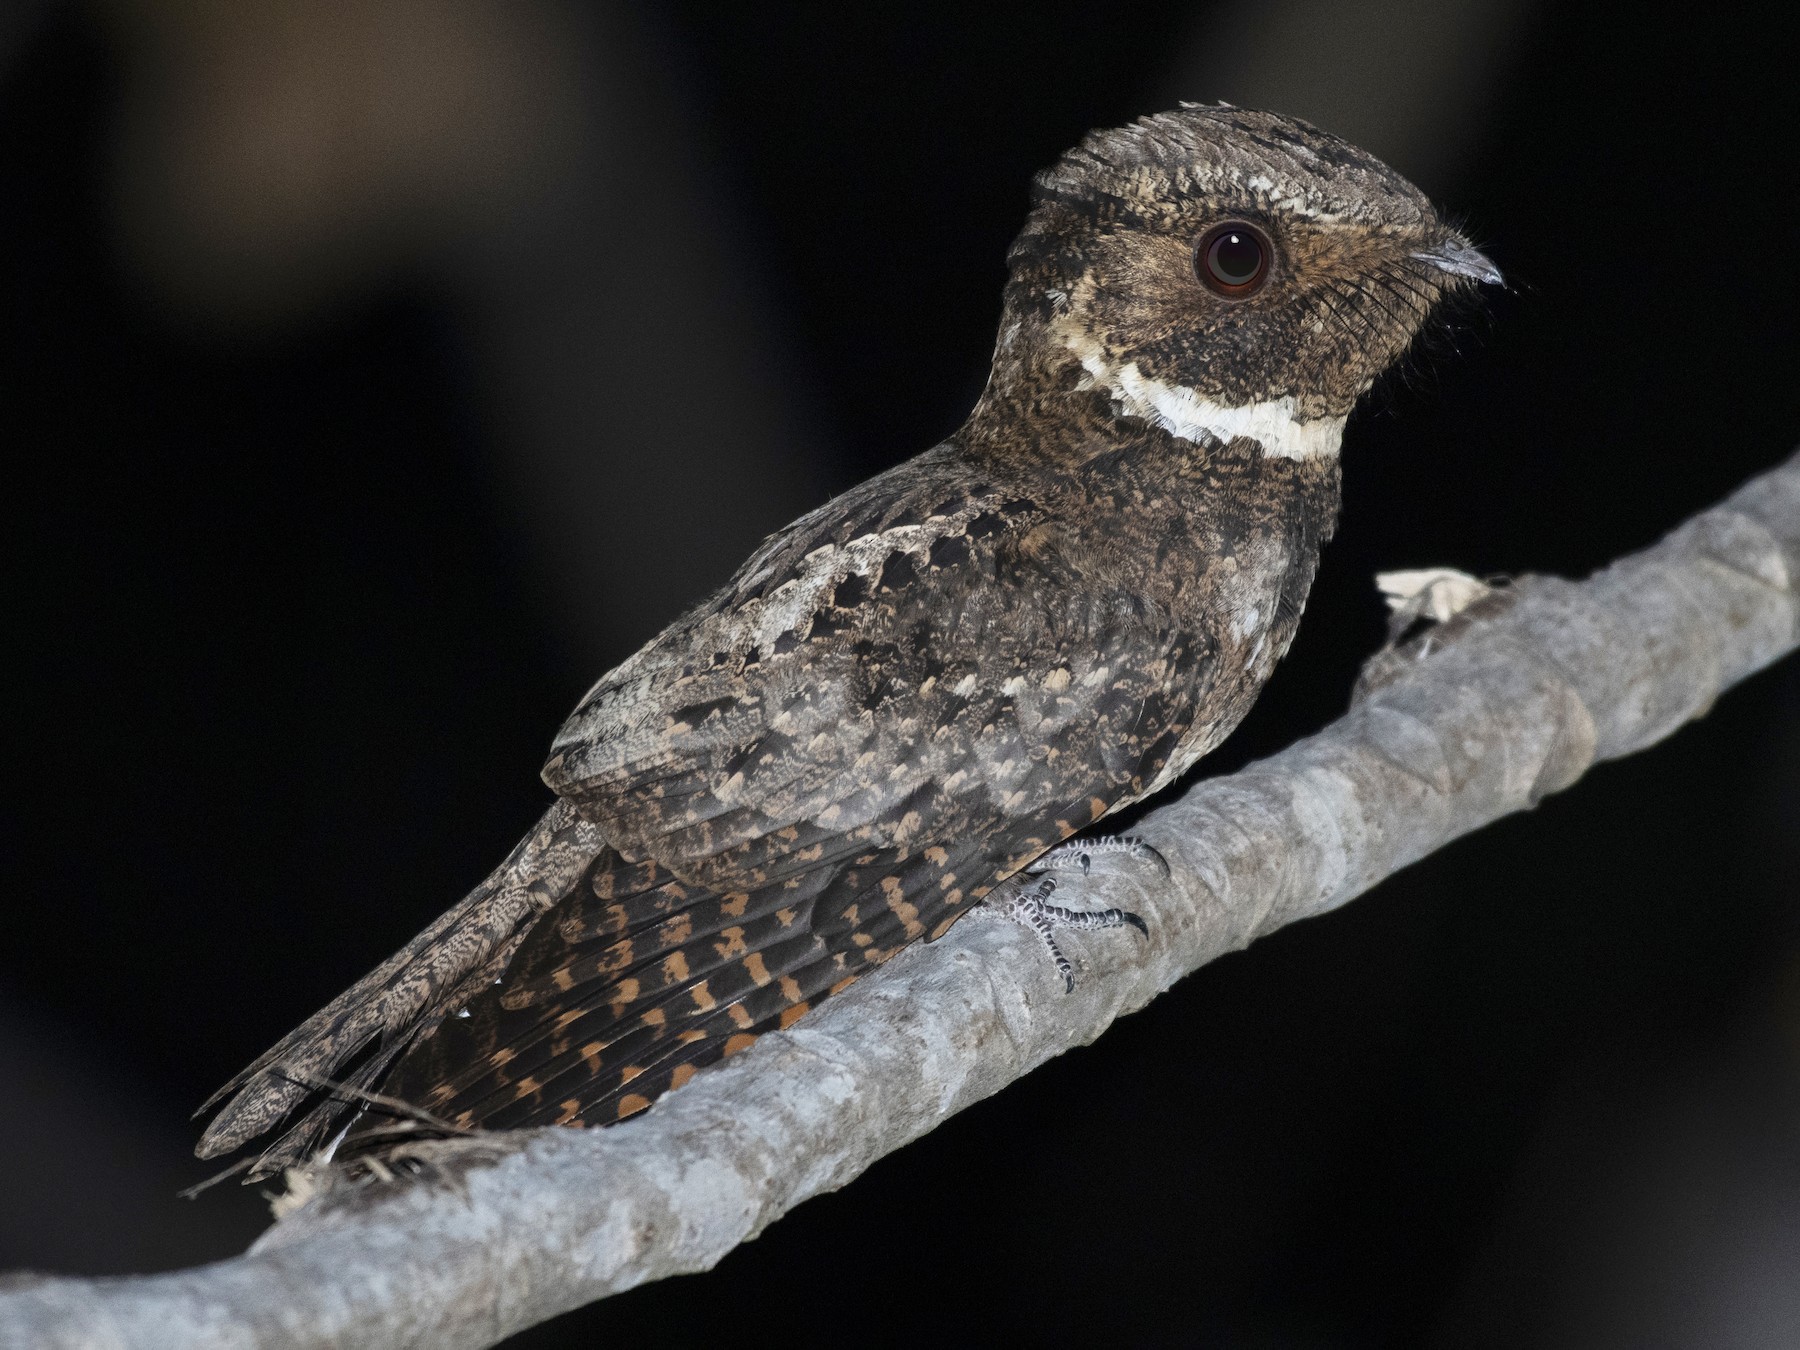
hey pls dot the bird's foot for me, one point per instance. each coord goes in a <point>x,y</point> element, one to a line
<point>1079,854</point>
<point>1030,906</point>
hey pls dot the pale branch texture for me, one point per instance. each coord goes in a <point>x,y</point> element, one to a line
<point>1500,709</point>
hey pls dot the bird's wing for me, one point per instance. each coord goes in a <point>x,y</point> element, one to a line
<point>916,660</point>
<point>892,708</point>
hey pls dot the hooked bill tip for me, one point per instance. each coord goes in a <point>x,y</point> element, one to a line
<point>1461,260</point>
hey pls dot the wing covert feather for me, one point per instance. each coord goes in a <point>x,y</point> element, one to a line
<point>871,677</point>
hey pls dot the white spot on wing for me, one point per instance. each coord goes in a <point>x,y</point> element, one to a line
<point>797,599</point>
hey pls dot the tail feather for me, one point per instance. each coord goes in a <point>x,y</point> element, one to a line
<point>379,1004</point>
<point>399,1000</point>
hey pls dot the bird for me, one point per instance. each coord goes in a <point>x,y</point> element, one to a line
<point>915,699</point>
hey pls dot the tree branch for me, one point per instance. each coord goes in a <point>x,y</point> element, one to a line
<point>505,1231</point>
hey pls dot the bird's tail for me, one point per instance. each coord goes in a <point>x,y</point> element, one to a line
<point>358,1035</point>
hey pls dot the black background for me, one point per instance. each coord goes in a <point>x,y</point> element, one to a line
<point>281,679</point>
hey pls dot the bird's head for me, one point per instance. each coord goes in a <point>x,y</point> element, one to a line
<point>1233,272</point>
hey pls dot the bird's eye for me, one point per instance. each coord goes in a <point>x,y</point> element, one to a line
<point>1232,260</point>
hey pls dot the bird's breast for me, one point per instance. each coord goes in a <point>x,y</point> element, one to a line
<point>1236,545</point>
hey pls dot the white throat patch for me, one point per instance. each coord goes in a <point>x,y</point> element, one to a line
<point>1273,424</point>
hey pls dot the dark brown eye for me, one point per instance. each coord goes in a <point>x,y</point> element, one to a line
<point>1232,260</point>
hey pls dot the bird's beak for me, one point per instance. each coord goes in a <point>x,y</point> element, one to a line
<point>1460,260</point>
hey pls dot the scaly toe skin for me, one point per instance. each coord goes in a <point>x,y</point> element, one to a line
<point>1030,907</point>
<point>1079,854</point>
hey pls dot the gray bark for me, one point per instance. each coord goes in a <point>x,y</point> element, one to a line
<point>1488,716</point>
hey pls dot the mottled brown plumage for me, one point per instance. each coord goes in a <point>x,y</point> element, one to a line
<point>910,694</point>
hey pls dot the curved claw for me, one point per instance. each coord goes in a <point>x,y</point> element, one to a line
<point>1080,853</point>
<point>1149,852</point>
